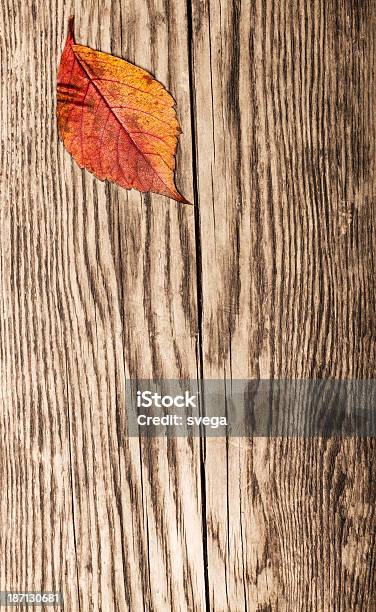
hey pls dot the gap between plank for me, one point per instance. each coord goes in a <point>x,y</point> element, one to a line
<point>199,348</point>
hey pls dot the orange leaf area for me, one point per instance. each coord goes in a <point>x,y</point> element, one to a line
<point>116,120</point>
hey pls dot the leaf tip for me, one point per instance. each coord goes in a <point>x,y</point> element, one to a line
<point>183,200</point>
<point>71,28</point>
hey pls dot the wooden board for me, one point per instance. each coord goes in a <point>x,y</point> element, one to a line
<point>286,159</point>
<point>272,274</point>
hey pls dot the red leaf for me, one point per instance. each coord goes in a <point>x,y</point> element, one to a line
<point>116,120</point>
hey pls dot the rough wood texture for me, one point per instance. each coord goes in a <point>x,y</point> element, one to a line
<point>271,275</point>
<point>286,167</point>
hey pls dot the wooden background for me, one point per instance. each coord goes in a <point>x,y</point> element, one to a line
<point>271,274</point>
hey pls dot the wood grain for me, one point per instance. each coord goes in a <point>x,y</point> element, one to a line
<point>98,285</point>
<point>270,275</point>
<point>286,192</point>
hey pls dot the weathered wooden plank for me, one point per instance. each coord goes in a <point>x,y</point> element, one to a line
<point>36,535</point>
<point>286,158</point>
<point>160,319</point>
<point>97,284</point>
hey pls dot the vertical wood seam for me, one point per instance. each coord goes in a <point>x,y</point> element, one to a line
<point>199,291</point>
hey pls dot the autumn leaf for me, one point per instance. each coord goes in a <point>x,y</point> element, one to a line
<point>116,120</point>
